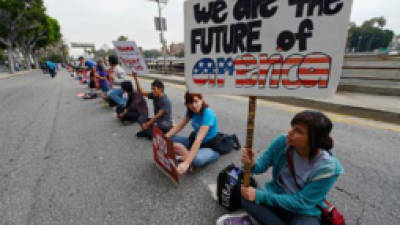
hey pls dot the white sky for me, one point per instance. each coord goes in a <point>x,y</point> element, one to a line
<point>101,21</point>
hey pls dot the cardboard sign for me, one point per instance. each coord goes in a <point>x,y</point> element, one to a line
<point>131,59</point>
<point>265,48</point>
<point>164,155</point>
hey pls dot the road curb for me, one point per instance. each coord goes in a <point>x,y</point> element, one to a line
<point>18,74</point>
<point>369,89</point>
<point>381,115</point>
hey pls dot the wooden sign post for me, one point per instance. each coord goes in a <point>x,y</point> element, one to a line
<point>249,136</point>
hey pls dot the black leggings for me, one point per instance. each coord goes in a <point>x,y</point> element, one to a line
<point>131,116</point>
<point>266,215</point>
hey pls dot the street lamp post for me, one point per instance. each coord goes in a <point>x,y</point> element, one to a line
<point>162,39</point>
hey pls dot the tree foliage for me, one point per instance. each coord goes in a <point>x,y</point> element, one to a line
<point>369,36</point>
<point>122,38</point>
<point>180,54</point>
<point>24,25</point>
<point>153,53</point>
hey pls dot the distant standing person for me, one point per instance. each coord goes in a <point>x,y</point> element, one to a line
<point>52,68</point>
<point>162,108</point>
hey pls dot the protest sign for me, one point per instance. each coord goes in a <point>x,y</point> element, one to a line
<point>164,155</point>
<point>131,59</point>
<point>265,47</point>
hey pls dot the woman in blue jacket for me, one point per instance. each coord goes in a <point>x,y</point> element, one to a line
<point>285,200</point>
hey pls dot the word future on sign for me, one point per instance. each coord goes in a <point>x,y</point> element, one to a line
<point>164,155</point>
<point>253,47</point>
<point>130,57</point>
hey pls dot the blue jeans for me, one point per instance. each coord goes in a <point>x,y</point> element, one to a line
<point>52,73</point>
<point>105,87</point>
<point>203,157</point>
<point>116,95</point>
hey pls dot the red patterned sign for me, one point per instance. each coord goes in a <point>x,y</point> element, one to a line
<point>164,155</point>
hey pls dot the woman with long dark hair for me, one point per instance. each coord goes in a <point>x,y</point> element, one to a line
<point>136,107</point>
<point>304,169</point>
<point>198,149</point>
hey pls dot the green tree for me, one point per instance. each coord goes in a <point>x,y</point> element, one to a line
<point>48,39</point>
<point>57,52</point>
<point>180,54</point>
<point>369,36</point>
<point>2,58</point>
<point>122,38</point>
<point>153,53</point>
<point>14,19</point>
<point>28,39</point>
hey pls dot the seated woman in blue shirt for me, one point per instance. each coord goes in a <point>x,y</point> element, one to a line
<point>285,200</point>
<point>197,149</point>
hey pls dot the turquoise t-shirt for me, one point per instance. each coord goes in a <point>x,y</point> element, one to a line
<point>207,118</point>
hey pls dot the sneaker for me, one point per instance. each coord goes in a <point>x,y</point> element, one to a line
<point>141,134</point>
<point>144,134</point>
<point>234,219</point>
<point>127,122</point>
<point>104,104</point>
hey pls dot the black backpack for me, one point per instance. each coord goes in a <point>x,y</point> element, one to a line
<point>228,187</point>
<point>226,143</point>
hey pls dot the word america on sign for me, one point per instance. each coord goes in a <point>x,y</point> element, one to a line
<point>311,70</point>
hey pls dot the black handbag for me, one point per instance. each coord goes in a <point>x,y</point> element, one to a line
<point>228,187</point>
<point>221,143</point>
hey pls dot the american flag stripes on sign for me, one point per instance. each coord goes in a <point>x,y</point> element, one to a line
<point>246,70</point>
<point>203,70</point>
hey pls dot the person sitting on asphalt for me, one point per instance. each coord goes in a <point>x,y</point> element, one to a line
<point>51,67</point>
<point>136,107</point>
<point>162,109</point>
<point>92,83</point>
<point>101,75</point>
<point>288,199</point>
<point>198,149</point>
<point>87,65</point>
<point>116,76</point>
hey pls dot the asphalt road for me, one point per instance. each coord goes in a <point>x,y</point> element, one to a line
<point>64,160</point>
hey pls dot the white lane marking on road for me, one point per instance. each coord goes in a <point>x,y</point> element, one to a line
<point>337,117</point>
<point>213,189</point>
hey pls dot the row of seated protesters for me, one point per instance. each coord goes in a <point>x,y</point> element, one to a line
<point>283,200</point>
<point>197,150</point>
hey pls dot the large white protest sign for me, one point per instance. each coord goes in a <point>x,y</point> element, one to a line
<point>131,59</point>
<point>265,47</point>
